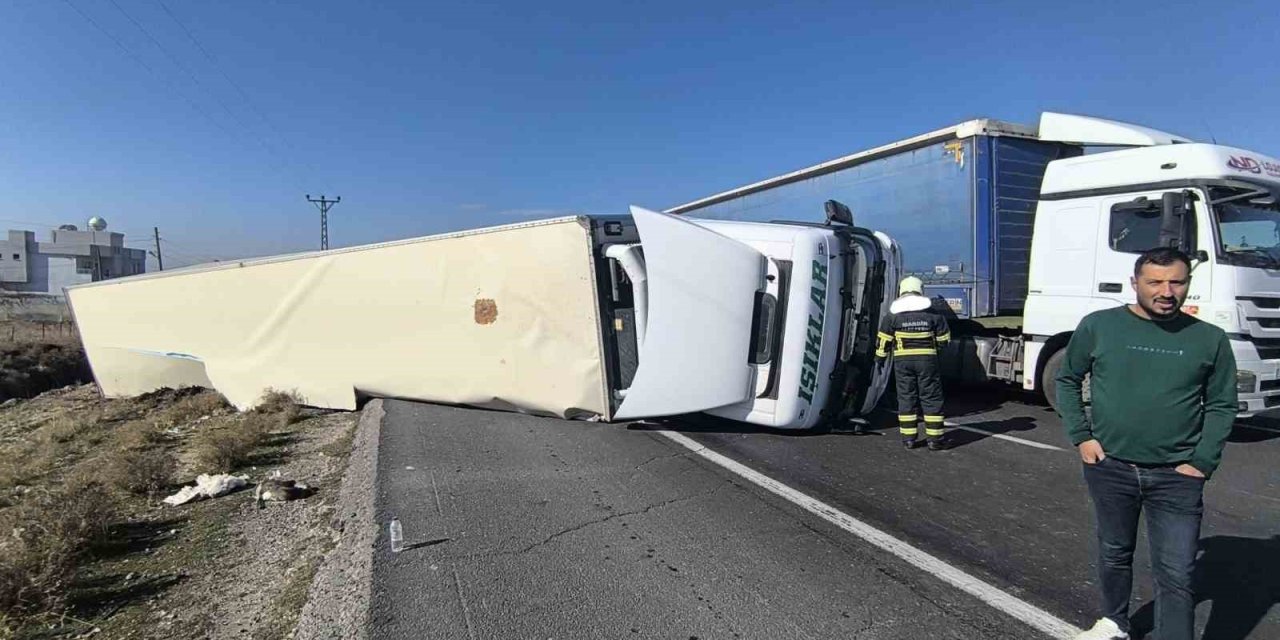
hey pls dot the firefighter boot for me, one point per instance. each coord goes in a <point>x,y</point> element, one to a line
<point>909,429</point>
<point>933,431</point>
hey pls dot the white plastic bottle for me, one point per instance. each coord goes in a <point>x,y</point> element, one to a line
<point>397,536</point>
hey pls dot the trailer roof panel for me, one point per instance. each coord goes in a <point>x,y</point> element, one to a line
<point>970,128</point>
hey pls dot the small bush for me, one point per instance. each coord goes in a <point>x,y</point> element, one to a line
<point>62,429</point>
<point>145,472</point>
<point>24,465</point>
<point>33,577</point>
<point>192,408</point>
<point>85,508</point>
<point>138,435</point>
<point>66,428</point>
<point>46,536</point>
<point>286,404</point>
<point>15,470</point>
<point>226,449</point>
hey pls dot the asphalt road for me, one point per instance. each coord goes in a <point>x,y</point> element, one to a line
<point>1017,515</point>
<point>524,527</point>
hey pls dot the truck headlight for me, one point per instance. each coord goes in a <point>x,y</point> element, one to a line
<point>1246,382</point>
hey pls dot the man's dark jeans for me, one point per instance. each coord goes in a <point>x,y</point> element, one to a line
<point>1173,504</point>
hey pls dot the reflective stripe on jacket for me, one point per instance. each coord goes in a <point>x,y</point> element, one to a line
<point>911,328</point>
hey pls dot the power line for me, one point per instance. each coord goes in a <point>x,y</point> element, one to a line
<point>129,52</point>
<point>28,223</point>
<point>184,252</point>
<point>235,85</point>
<point>169,84</point>
<point>181,246</point>
<point>188,256</point>
<point>183,68</point>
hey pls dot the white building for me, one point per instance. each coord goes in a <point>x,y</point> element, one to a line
<point>69,257</point>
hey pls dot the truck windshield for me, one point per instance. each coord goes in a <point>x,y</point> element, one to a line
<point>1248,226</point>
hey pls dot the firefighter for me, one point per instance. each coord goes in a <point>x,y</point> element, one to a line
<point>914,333</point>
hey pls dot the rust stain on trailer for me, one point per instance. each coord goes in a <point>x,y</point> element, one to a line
<point>486,311</point>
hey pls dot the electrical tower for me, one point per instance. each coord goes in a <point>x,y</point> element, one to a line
<point>324,205</point>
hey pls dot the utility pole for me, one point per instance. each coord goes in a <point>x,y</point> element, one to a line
<point>324,205</point>
<point>156,253</point>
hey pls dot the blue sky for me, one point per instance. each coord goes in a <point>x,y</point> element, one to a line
<point>428,117</point>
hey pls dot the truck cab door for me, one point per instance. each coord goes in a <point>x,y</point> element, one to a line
<point>882,373</point>
<point>1128,226</point>
<point>865,379</point>
<point>701,296</point>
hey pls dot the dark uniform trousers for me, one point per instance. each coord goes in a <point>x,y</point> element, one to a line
<point>919,385</point>
<point>914,336</point>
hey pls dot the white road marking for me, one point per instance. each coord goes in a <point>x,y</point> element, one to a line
<point>1029,443</point>
<point>1015,607</point>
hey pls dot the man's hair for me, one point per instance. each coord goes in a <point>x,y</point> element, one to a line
<point>1162,257</point>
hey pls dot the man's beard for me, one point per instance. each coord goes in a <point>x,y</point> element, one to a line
<point>1157,312</point>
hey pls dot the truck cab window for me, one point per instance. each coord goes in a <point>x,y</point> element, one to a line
<point>1134,230</point>
<point>1248,223</point>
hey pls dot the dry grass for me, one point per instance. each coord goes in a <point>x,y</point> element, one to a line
<point>71,463</point>
<point>58,485</point>
<point>28,464</point>
<point>228,448</point>
<point>27,370</point>
<point>20,331</point>
<point>49,531</point>
<point>286,404</point>
<point>138,434</point>
<point>205,403</point>
<point>15,471</point>
<point>63,429</point>
<point>140,472</point>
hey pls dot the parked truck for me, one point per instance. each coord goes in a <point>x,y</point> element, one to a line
<point>586,317</point>
<point>1020,231</point>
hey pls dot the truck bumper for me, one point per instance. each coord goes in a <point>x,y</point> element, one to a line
<point>1256,403</point>
<point>1252,404</point>
<point>1258,386</point>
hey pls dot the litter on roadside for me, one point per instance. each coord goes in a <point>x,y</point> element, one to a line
<point>208,486</point>
<point>277,489</point>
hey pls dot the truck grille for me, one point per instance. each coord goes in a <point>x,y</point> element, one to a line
<point>1269,385</point>
<point>1262,302</point>
<point>1268,348</point>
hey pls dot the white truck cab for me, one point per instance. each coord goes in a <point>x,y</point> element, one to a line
<point>1098,211</point>
<point>778,317</point>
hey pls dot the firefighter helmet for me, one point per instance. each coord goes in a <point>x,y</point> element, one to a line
<point>911,284</point>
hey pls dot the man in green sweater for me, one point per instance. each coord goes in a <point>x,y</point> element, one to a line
<point>1164,398</point>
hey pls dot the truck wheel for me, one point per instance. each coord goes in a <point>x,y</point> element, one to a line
<point>1049,380</point>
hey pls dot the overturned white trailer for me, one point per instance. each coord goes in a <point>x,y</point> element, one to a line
<point>616,317</point>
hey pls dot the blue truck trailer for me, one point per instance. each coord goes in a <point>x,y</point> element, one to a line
<point>1021,230</point>
<point>960,201</point>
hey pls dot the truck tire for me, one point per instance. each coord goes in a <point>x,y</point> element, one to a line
<point>1049,380</point>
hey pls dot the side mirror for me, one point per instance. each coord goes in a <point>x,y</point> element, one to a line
<point>1172,206</point>
<point>838,212</point>
<point>1198,258</point>
<point>1178,221</point>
